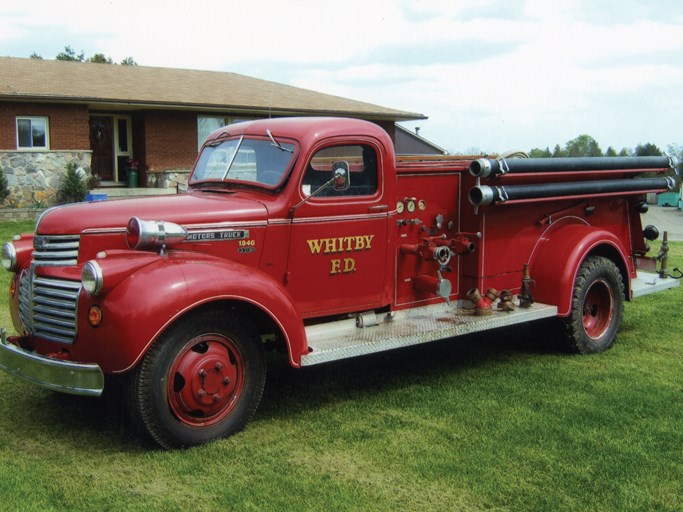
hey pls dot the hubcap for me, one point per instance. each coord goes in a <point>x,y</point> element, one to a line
<point>598,309</point>
<point>206,379</point>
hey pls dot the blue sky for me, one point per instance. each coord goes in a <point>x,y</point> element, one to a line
<point>491,75</point>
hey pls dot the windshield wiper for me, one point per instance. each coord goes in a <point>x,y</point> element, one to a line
<point>217,140</point>
<point>277,144</point>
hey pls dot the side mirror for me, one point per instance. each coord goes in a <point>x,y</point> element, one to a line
<point>341,176</point>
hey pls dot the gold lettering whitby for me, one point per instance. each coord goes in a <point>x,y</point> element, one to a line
<point>340,244</point>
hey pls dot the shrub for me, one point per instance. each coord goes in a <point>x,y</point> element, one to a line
<point>74,188</point>
<point>4,187</point>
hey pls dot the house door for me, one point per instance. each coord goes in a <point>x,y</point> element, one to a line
<point>102,146</point>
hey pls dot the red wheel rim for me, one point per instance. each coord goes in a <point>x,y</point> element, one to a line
<point>598,309</point>
<point>206,380</point>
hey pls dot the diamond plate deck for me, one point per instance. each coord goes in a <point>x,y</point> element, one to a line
<point>342,339</point>
<point>647,283</point>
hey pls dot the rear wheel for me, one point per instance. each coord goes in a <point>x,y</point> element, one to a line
<point>597,306</point>
<point>201,381</point>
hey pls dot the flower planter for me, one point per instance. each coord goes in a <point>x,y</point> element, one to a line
<point>132,178</point>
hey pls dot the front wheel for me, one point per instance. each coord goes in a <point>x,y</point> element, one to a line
<point>201,381</point>
<point>597,306</point>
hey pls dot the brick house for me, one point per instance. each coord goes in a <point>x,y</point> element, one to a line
<point>100,116</point>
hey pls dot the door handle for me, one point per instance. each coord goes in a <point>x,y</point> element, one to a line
<point>378,208</point>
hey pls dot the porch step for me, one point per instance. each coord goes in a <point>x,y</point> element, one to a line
<point>343,339</point>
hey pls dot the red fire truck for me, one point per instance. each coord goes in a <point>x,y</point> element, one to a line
<point>309,234</point>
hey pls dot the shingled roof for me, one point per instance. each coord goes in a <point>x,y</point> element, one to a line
<point>133,87</point>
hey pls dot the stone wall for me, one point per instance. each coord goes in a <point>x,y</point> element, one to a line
<point>34,177</point>
<point>168,179</point>
<point>12,214</point>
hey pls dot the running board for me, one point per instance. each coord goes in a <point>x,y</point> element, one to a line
<point>370,333</point>
<point>648,282</point>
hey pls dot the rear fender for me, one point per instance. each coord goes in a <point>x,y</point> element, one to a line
<point>149,300</point>
<point>555,261</point>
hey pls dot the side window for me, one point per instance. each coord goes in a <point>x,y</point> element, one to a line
<point>32,133</point>
<point>362,162</point>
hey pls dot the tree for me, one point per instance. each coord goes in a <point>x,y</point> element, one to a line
<point>35,56</point>
<point>583,145</point>
<point>648,149</point>
<point>100,58</point>
<point>69,54</point>
<point>540,153</point>
<point>611,152</point>
<point>558,152</point>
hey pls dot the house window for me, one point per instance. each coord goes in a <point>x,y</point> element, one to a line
<point>32,133</point>
<point>122,134</point>
<point>207,124</point>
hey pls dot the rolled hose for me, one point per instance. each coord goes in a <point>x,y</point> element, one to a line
<point>484,194</point>
<point>485,167</point>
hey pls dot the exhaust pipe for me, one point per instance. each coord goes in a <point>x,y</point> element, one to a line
<point>485,167</point>
<point>484,194</point>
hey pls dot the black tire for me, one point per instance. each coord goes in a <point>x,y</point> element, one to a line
<point>202,380</point>
<point>597,306</point>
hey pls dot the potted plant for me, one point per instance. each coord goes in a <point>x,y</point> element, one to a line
<point>132,174</point>
<point>93,181</point>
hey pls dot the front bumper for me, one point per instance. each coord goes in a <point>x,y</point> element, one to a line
<point>58,375</point>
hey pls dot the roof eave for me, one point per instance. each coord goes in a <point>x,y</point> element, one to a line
<point>108,104</point>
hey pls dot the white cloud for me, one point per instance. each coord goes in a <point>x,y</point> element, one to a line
<point>489,73</point>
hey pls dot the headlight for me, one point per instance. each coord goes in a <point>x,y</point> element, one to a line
<point>144,234</point>
<point>9,256</point>
<point>92,278</point>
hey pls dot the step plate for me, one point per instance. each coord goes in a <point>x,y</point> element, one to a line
<point>342,339</point>
<point>647,283</point>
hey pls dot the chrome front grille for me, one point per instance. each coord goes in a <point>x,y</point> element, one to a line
<point>55,250</point>
<point>48,306</point>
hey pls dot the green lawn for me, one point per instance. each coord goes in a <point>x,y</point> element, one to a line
<point>500,422</point>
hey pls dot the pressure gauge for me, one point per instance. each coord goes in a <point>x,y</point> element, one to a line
<point>421,205</point>
<point>400,207</point>
<point>410,205</point>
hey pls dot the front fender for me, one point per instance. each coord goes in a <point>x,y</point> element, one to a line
<point>555,260</point>
<point>145,303</point>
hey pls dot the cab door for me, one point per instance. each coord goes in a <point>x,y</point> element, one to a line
<point>338,250</point>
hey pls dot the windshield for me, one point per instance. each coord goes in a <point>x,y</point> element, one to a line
<point>256,161</point>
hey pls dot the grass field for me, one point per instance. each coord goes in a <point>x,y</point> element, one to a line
<point>501,422</point>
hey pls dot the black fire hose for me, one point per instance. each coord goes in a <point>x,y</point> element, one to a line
<point>484,194</point>
<point>485,167</point>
